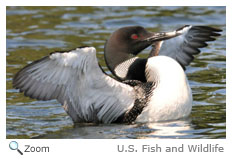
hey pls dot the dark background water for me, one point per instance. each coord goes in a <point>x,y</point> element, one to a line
<point>34,32</point>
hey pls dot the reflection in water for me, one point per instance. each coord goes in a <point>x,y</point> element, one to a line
<point>48,29</point>
<point>170,129</point>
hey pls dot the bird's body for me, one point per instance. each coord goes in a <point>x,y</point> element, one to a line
<point>87,94</point>
<point>172,96</point>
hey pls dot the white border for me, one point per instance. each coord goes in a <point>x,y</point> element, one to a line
<point>117,3</point>
<point>106,149</point>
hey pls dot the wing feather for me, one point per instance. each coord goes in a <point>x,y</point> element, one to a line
<point>190,39</point>
<point>76,81</point>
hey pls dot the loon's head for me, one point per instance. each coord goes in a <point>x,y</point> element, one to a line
<point>123,44</point>
<point>122,47</point>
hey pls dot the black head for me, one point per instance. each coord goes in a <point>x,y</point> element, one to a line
<point>129,40</point>
<point>125,43</point>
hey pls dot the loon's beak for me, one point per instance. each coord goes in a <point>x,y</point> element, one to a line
<point>156,40</point>
<point>161,36</point>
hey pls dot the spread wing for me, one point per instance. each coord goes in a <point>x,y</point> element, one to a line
<point>186,44</point>
<point>76,81</point>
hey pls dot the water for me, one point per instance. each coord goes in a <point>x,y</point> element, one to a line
<point>34,32</point>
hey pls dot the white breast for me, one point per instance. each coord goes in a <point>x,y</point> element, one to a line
<point>172,96</point>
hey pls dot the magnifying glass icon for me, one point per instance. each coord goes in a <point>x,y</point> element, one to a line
<point>14,146</point>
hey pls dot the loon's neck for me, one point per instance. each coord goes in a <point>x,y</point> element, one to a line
<point>136,70</point>
<point>126,66</point>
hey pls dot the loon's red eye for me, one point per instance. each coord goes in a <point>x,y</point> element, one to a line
<point>134,36</point>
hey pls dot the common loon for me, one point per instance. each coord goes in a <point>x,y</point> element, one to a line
<point>87,94</point>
